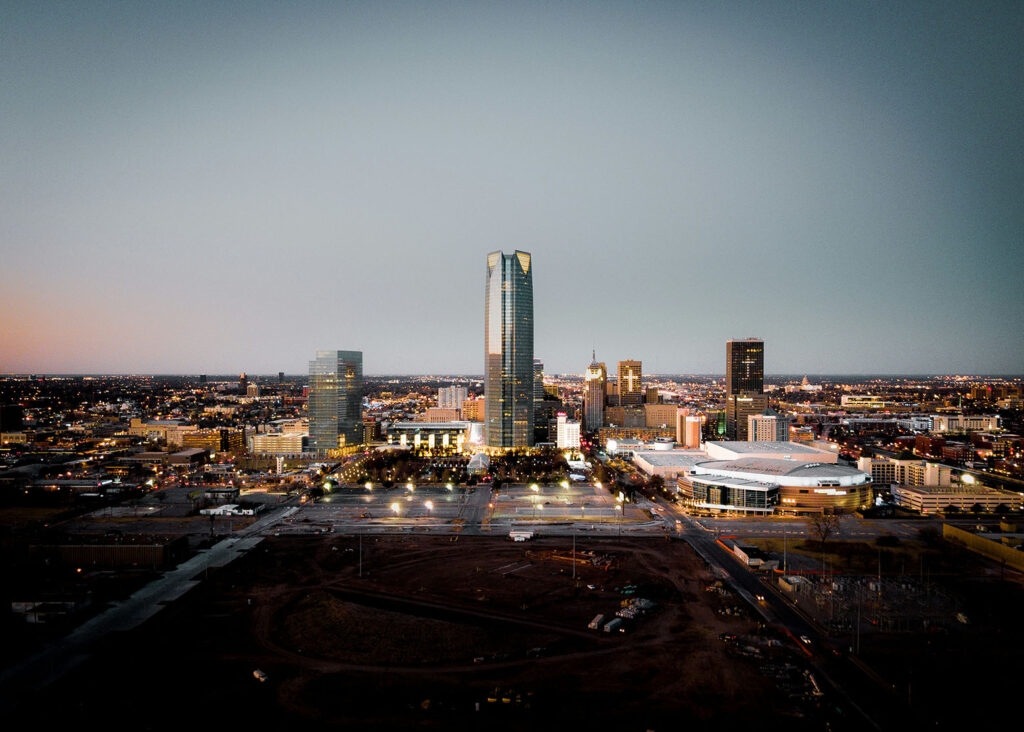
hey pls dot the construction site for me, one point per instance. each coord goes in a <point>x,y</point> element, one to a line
<point>387,631</point>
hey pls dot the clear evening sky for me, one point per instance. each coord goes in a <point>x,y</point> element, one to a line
<point>217,187</point>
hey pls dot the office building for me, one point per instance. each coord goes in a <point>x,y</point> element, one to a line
<point>451,397</point>
<point>744,384</point>
<point>335,400</point>
<point>965,422</point>
<point>630,383</point>
<point>768,426</point>
<point>744,366</point>
<point>473,409</point>
<point>688,429</point>
<point>243,382</point>
<point>567,433</point>
<point>508,350</point>
<point>594,394</point>
<point>652,395</point>
<point>538,391</point>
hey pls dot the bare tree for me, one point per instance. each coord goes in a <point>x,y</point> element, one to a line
<point>822,526</point>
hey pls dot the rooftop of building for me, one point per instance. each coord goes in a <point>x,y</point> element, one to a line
<point>671,458</point>
<point>802,471</point>
<point>762,446</point>
<point>953,490</point>
<point>456,424</point>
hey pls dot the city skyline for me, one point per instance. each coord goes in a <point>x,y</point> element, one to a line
<point>183,188</point>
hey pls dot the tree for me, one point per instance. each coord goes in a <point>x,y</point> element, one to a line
<point>1002,509</point>
<point>977,508</point>
<point>951,509</point>
<point>822,526</point>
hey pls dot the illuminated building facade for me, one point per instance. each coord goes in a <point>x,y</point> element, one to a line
<point>630,383</point>
<point>596,383</point>
<point>744,384</point>
<point>335,400</point>
<point>508,350</point>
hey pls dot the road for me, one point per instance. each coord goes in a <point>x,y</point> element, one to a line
<point>847,675</point>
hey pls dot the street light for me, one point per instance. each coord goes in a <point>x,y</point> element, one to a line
<point>369,486</point>
<point>450,487</point>
<point>535,488</point>
<point>618,507</point>
<point>410,487</point>
<point>565,484</point>
<point>395,507</point>
<point>429,505</point>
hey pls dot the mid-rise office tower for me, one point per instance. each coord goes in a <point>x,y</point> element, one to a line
<point>768,426</point>
<point>596,378</point>
<point>630,383</point>
<point>335,400</point>
<point>744,384</point>
<point>508,350</point>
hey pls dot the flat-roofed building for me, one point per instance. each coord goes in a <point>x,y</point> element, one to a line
<point>438,438</point>
<point>279,443</point>
<point>567,433</point>
<point>768,426</point>
<point>439,414</point>
<point>735,449</point>
<point>689,428</point>
<point>667,463</point>
<point>965,422</point>
<point>660,415</point>
<point>473,409</point>
<point>451,397</point>
<point>933,499</point>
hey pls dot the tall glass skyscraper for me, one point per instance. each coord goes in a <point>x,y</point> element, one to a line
<point>744,384</point>
<point>335,400</point>
<point>508,350</point>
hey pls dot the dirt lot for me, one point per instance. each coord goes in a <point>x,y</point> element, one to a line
<point>437,634</point>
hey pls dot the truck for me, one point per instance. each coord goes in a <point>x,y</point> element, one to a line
<point>613,625</point>
<point>596,622</point>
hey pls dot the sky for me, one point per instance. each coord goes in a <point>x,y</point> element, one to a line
<point>225,187</point>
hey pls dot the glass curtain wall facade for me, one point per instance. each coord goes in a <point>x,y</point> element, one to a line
<point>744,384</point>
<point>335,400</point>
<point>508,350</point>
<point>744,366</point>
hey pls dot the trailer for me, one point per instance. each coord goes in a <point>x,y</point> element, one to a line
<point>597,622</point>
<point>520,535</point>
<point>613,625</point>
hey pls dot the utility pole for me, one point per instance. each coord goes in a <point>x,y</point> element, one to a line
<point>574,555</point>
<point>360,556</point>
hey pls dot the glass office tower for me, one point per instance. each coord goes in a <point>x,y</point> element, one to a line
<point>508,350</point>
<point>744,384</point>
<point>744,366</point>
<point>335,400</point>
